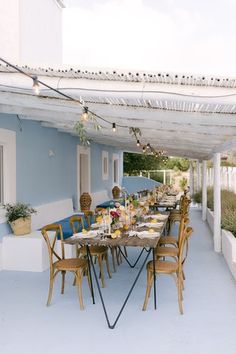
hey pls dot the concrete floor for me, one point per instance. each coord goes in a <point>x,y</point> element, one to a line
<point>27,326</point>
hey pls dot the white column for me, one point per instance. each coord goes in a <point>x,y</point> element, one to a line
<point>191,182</point>
<point>204,190</point>
<point>164,176</point>
<point>198,176</point>
<point>217,203</point>
<point>149,174</point>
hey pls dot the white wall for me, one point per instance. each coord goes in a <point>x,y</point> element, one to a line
<point>31,32</point>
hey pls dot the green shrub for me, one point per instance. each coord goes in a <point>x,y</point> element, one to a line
<point>197,197</point>
<point>228,221</point>
<point>228,207</point>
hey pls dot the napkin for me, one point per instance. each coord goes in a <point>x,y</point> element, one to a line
<point>156,216</point>
<point>89,234</point>
<point>151,224</point>
<point>144,234</point>
<point>95,225</point>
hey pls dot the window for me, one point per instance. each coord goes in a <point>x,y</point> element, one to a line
<point>105,165</point>
<point>115,166</point>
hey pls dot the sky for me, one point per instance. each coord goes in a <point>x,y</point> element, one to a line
<point>185,36</point>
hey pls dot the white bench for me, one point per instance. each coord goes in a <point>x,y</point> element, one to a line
<point>29,252</point>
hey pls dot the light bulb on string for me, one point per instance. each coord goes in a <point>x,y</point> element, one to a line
<point>35,86</point>
<point>138,143</point>
<point>148,146</point>
<point>114,127</point>
<point>84,116</point>
<point>144,148</point>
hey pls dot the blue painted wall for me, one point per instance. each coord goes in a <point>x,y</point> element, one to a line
<point>40,178</point>
<point>134,184</point>
<point>97,184</point>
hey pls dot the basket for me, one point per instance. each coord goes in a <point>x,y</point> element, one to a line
<point>116,192</point>
<point>21,226</point>
<point>85,202</point>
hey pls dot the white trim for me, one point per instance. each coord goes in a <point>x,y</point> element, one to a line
<point>105,175</point>
<point>83,150</point>
<point>115,157</point>
<point>8,140</point>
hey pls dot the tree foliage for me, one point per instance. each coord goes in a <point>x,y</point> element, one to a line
<point>133,163</point>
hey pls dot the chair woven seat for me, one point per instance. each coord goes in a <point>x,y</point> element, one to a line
<point>70,264</point>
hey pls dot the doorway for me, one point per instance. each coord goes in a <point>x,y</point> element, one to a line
<point>83,171</point>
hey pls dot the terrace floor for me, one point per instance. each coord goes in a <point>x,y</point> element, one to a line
<point>208,325</point>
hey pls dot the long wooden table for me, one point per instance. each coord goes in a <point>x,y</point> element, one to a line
<point>147,245</point>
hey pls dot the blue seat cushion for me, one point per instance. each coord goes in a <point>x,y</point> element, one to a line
<point>65,224</point>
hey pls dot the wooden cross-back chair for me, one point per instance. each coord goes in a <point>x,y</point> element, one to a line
<point>175,215</point>
<point>173,268</point>
<point>99,252</point>
<point>60,264</point>
<point>168,250</point>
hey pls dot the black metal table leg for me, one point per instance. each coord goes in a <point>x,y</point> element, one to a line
<point>154,278</point>
<point>131,265</point>
<point>89,269</point>
<point>112,326</point>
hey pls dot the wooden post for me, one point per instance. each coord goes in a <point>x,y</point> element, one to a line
<point>217,204</point>
<point>204,190</point>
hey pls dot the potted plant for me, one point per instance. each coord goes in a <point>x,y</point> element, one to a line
<point>19,217</point>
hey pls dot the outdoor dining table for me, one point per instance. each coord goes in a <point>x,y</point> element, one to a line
<point>146,244</point>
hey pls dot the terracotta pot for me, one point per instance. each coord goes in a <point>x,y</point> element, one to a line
<point>21,226</point>
<point>85,201</point>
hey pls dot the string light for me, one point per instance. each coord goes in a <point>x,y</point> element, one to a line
<point>84,116</point>
<point>144,148</point>
<point>148,146</point>
<point>35,85</point>
<point>114,127</point>
<point>138,143</point>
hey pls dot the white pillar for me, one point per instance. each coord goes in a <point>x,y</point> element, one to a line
<point>204,190</point>
<point>164,176</point>
<point>217,203</point>
<point>198,176</point>
<point>149,174</point>
<point>191,182</point>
